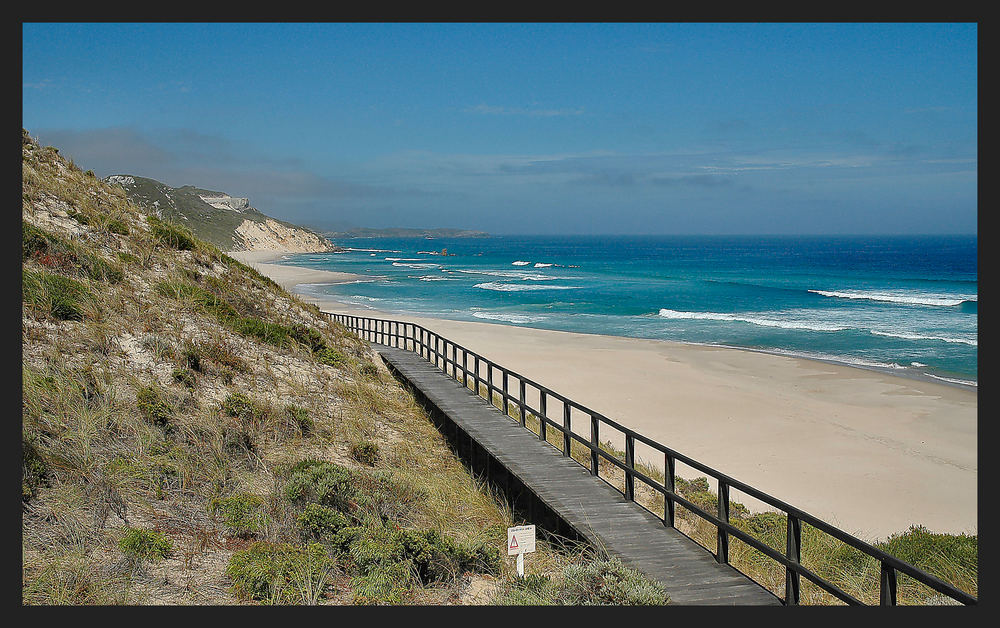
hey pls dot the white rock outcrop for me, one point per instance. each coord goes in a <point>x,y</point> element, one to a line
<point>271,235</point>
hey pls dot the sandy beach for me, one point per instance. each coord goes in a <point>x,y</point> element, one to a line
<point>288,276</point>
<point>867,451</point>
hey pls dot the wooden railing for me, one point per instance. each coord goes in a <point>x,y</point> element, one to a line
<point>436,349</point>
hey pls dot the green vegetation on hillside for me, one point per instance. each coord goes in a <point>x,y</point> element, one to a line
<point>192,434</point>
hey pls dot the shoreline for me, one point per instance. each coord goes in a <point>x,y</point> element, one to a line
<point>858,447</point>
<point>289,276</point>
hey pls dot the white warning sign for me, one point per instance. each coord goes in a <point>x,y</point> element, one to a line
<point>520,540</point>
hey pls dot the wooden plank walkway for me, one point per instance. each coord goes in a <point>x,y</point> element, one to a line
<point>589,505</point>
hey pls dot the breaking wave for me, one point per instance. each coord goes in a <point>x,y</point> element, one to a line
<point>520,287</point>
<point>754,320</point>
<point>510,318</point>
<point>941,300</point>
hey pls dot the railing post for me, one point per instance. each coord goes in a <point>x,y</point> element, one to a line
<point>793,537</point>
<point>629,467</point>
<point>475,377</point>
<point>520,409</point>
<point>542,398</point>
<point>465,368</point>
<point>505,410</point>
<point>595,444</point>
<point>669,484</point>
<point>567,428</point>
<point>454,362</point>
<point>489,382</point>
<point>722,535</point>
<point>887,585</point>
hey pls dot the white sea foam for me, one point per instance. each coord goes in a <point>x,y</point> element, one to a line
<point>541,265</point>
<point>754,320</point>
<point>406,265</point>
<point>404,259</point>
<point>964,382</point>
<point>905,336</point>
<point>510,318</point>
<point>437,278</point>
<point>525,275</point>
<point>944,300</point>
<point>520,263</point>
<point>841,359</point>
<point>520,287</point>
<point>917,364</point>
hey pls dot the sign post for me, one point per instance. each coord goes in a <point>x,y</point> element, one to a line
<point>520,541</point>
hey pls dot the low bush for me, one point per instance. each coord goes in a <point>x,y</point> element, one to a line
<point>174,236</point>
<point>54,295</point>
<point>365,452</point>
<point>34,471</point>
<point>321,482</point>
<point>184,376</point>
<point>280,573</point>
<point>933,552</point>
<point>609,582</point>
<point>321,522</point>
<point>140,544</point>
<point>243,513</point>
<point>300,418</point>
<point>153,407</point>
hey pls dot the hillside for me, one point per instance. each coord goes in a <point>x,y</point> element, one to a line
<point>192,434</point>
<point>227,222</point>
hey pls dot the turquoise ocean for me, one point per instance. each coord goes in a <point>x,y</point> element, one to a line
<point>904,304</point>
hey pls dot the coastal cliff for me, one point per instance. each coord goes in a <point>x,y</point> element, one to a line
<point>228,222</point>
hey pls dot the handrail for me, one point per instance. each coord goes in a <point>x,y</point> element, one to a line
<point>435,348</point>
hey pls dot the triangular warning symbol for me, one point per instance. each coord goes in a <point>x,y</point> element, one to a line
<point>513,542</point>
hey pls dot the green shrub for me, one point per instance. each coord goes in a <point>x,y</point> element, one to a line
<point>440,558</point>
<point>531,590</point>
<point>929,551</point>
<point>54,295</point>
<point>365,452</point>
<point>322,483</point>
<point>34,470</point>
<point>379,494</point>
<point>174,236</point>
<point>329,356</point>
<point>241,407</point>
<point>243,513</point>
<point>280,573</point>
<point>608,582</point>
<point>33,239</point>
<point>145,544</point>
<point>385,584</point>
<point>300,418</point>
<point>265,331</point>
<point>127,258</point>
<point>116,226</point>
<point>320,522</point>
<point>184,376</point>
<point>153,407</point>
<point>368,369</point>
<point>307,336</point>
<point>97,269</point>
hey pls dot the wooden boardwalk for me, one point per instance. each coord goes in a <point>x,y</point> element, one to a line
<point>588,505</point>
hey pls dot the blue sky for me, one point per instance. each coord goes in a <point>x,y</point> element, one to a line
<point>530,128</point>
